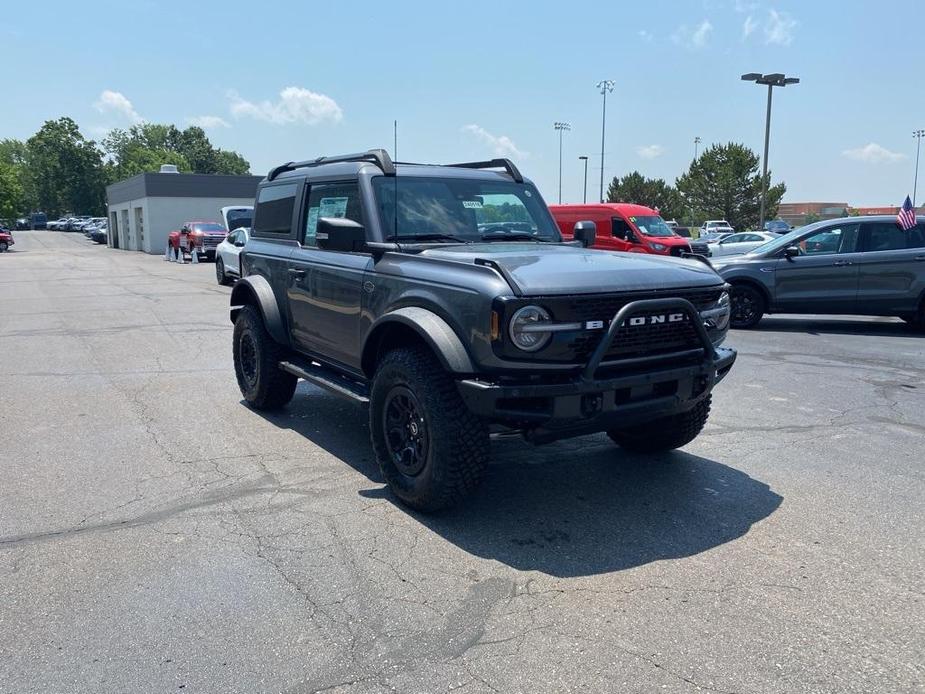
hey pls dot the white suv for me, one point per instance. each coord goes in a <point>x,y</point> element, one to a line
<point>716,226</point>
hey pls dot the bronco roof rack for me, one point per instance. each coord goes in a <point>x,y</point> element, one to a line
<point>506,164</point>
<point>375,156</point>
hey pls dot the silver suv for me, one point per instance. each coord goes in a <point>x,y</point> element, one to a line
<point>854,265</point>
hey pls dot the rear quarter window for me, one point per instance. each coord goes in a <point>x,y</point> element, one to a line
<point>273,213</point>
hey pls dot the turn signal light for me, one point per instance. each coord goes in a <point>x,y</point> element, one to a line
<point>495,326</point>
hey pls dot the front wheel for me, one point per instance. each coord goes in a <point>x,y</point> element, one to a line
<point>748,306</point>
<point>666,433</point>
<point>4,246</point>
<point>256,363</point>
<point>431,449</point>
<point>220,275</point>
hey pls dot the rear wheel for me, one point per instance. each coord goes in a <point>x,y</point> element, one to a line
<point>4,246</point>
<point>432,451</point>
<point>256,363</point>
<point>748,306</point>
<point>666,433</point>
<point>917,319</point>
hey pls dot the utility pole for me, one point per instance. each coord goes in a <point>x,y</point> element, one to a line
<point>584,197</point>
<point>918,135</point>
<point>605,86</point>
<point>697,141</point>
<point>775,79</point>
<point>561,127</point>
<point>395,146</point>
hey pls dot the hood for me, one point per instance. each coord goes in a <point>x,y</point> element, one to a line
<point>549,269</point>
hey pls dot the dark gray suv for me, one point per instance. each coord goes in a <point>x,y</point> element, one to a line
<point>444,299</point>
<point>854,265</point>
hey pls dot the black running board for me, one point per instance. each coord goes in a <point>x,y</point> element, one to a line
<point>329,380</point>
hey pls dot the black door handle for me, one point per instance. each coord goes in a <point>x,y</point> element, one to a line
<point>298,274</point>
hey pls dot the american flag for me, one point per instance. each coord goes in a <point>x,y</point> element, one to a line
<point>906,216</point>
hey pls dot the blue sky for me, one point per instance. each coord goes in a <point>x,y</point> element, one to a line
<point>290,80</point>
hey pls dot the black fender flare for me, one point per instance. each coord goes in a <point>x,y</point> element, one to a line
<point>256,291</point>
<point>433,329</point>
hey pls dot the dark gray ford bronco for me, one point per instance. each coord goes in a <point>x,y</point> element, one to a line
<point>445,299</point>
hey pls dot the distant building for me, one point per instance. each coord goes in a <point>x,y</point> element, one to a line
<point>144,209</point>
<point>796,213</point>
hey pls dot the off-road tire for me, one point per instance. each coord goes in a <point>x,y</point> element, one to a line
<point>748,305</point>
<point>457,447</point>
<point>263,384</point>
<point>220,275</point>
<point>916,320</point>
<point>664,434</point>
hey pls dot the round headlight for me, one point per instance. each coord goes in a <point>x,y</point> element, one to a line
<point>524,331</point>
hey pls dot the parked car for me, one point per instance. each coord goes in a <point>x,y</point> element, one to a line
<point>74,223</point>
<point>375,281</point>
<point>6,240</point>
<point>38,220</point>
<point>682,231</point>
<point>743,242</point>
<point>716,226</point>
<point>622,227</point>
<point>100,234</point>
<point>200,236</point>
<point>228,255</point>
<point>714,237</point>
<point>854,265</point>
<point>55,224</point>
<point>21,224</point>
<point>88,227</point>
<point>777,226</point>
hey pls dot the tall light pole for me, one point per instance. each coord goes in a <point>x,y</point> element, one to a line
<point>918,135</point>
<point>584,197</point>
<point>605,86</point>
<point>561,127</point>
<point>775,79</point>
<point>697,141</point>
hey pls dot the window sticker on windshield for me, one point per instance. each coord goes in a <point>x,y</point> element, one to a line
<point>333,207</point>
<point>528,193</point>
<point>633,220</point>
<point>472,204</point>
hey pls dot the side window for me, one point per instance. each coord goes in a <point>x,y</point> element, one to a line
<point>839,239</point>
<point>620,228</point>
<point>330,200</point>
<point>274,209</point>
<point>752,237</point>
<point>887,236</point>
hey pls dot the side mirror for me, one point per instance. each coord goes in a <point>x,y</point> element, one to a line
<point>340,234</point>
<point>585,233</point>
<point>791,251</point>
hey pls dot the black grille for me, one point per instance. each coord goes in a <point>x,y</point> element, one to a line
<point>700,248</point>
<point>604,307</point>
<point>640,340</point>
<point>678,250</point>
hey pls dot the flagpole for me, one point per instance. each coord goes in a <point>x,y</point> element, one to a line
<point>918,135</point>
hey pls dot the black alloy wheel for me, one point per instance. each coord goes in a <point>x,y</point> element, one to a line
<point>405,431</point>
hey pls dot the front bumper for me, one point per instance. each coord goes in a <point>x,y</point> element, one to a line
<point>628,393</point>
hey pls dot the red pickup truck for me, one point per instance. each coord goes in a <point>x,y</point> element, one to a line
<point>201,236</point>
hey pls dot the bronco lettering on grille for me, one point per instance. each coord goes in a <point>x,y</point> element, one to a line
<point>657,318</point>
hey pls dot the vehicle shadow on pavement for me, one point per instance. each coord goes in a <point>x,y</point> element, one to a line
<point>572,508</point>
<point>838,326</point>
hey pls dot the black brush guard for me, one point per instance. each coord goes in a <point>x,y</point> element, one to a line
<point>632,391</point>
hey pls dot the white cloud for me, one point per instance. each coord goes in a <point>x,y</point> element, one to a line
<point>650,151</point>
<point>209,122</point>
<point>116,102</point>
<point>295,105</point>
<point>501,145</point>
<point>779,28</point>
<point>693,38</point>
<point>742,6</point>
<point>645,35</point>
<point>872,153</point>
<point>748,27</point>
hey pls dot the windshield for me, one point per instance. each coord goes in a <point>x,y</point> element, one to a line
<point>208,227</point>
<point>652,225</point>
<point>461,209</point>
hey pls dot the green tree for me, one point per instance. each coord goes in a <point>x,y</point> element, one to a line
<point>12,201</point>
<point>192,146</point>
<point>64,170</point>
<point>724,183</point>
<point>651,192</point>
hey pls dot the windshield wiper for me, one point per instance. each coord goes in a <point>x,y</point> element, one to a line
<point>427,237</point>
<point>510,235</point>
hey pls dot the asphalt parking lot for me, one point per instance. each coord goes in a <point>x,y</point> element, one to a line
<point>156,535</point>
